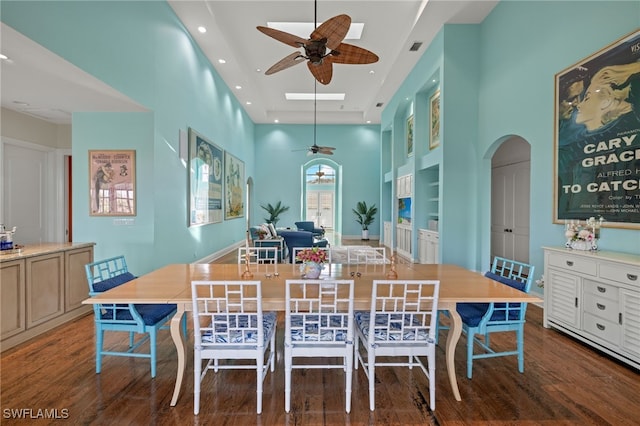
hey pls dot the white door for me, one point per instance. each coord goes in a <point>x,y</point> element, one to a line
<point>320,208</point>
<point>26,189</point>
<point>510,211</point>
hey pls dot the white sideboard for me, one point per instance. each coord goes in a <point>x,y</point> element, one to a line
<point>428,246</point>
<point>595,297</point>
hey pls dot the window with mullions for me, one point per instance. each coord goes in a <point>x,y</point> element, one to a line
<point>320,174</point>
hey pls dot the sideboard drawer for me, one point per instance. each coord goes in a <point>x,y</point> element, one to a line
<point>574,263</point>
<point>625,274</point>
<point>602,329</point>
<point>601,290</point>
<point>601,308</point>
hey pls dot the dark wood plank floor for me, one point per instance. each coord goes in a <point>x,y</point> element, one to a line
<point>564,383</point>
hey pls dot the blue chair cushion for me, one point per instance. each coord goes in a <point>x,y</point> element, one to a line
<point>394,325</point>
<point>221,333</point>
<point>112,282</point>
<point>151,313</point>
<point>319,328</point>
<point>472,313</point>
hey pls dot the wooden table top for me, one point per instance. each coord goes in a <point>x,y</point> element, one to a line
<point>172,283</point>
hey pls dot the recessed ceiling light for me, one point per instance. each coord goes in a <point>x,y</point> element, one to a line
<point>3,56</point>
<point>248,102</point>
<point>312,96</point>
<point>304,29</point>
<point>222,61</point>
<point>202,29</point>
<point>368,121</point>
<point>258,70</point>
<point>372,72</point>
<point>276,121</point>
<point>238,87</point>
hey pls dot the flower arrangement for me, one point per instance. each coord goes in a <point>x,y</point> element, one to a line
<point>314,255</point>
<point>585,236</point>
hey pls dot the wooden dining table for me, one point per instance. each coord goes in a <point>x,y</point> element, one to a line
<point>171,284</point>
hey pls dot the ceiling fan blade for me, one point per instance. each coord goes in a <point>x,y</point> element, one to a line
<point>325,152</point>
<point>350,54</point>
<point>322,71</point>
<point>326,147</point>
<point>335,30</point>
<point>286,62</point>
<point>284,37</point>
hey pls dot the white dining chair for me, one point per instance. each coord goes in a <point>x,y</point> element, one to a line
<point>229,325</point>
<point>367,255</point>
<point>257,255</point>
<point>319,324</point>
<point>401,323</point>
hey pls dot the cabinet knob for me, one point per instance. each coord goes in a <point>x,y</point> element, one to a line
<point>601,289</point>
<point>601,306</point>
<point>569,263</point>
<point>600,327</point>
<point>632,277</point>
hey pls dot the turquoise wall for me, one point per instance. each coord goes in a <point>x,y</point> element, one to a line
<point>142,50</point>
<point>497,81</point>
<point>280,159</point>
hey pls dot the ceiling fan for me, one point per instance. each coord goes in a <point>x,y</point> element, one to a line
<point>315,148</point>
<point>323,48</point>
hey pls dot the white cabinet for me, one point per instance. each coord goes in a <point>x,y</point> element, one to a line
<point>404,186</point>
<point>428,246</point>
<point>403,239</point>
<point>595,297</point>
<point>387,240</point>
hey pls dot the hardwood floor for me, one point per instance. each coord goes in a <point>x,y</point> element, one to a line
<point>564,383</point>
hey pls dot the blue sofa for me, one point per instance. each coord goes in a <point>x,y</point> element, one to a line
<point>310,226</point>
<point>294,239</point>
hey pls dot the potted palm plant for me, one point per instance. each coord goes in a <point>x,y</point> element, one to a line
<point>274,212</point>
<point>365,216</point>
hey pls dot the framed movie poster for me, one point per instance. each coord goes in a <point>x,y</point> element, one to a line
<point>205,180</point>
<point>434,120</point>
<point>597,136</point>
<point>112,183</point>
<point>410,136</point>
<point>234,187</point>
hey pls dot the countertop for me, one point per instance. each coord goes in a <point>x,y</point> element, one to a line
<point>30,250</point>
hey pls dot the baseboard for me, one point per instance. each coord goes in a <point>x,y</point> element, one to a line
<point>220,253</point>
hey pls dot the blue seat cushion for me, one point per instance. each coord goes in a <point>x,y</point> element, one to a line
<point>389,327</point>
<point>151,313</point>
<point>244,328</point>
<point>112,282</point>
<point>472,313</point>
<point>319,328</point>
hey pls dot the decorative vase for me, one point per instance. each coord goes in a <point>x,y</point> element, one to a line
<point>581,245</point>
<point>311,270</point>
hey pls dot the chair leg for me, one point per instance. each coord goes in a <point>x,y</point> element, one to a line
<point>99,342</point>
<point>287,379</point>
<point>356,344</point>
<point>259,377</point>
<point>132,338</point>
<point>154,351</point>
<point>470,336</point>
<point>432,381</point>
<point>349,378</point>
<point>273,351</point>
<point>197,367</point>
<point>520,343</point>
<point>371,359</point>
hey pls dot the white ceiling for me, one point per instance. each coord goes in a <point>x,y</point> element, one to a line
<point>53,88</point>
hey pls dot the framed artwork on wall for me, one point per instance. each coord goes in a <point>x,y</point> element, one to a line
<point>434,120</point>
<point>112,183</point>
<point>597,137</point>
<point>410,136</point>
<point>234,187</point>
<point>205,180</point>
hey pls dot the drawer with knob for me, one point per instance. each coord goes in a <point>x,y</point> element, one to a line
<point>602,308</point>
<point>626,274</point>
<point>578,264</point>
<point>601,290</point>
<point>602,329</point>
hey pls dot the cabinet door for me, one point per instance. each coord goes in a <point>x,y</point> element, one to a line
<point>12,300</point>
<point>563,298</point>
<point>76,287</point>
<point>45,288</point>
<point>630,303</point>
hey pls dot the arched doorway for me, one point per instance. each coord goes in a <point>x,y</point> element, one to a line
<point>510,195</point>
<point>321,201</point>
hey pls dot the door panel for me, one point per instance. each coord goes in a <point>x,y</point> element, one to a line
<point>320,208</point>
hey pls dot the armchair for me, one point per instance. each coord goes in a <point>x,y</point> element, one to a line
<point>294,239</point>
<point>309,226</point>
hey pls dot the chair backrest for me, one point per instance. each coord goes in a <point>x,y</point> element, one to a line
<point>327,250</point>
<point>257,255</point>
<point>367,255</point>
<point>404,310</point>
<point>514,274</point>
<point>295,239</point>
<point>306,225</point>
<point>319,311</point>
<point>227,313</point>
<point>104,275</point>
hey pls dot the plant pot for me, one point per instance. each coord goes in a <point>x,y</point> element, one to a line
<point>365,234</point>
<point>311,270</point>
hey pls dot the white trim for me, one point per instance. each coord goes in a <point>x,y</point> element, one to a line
<point>220,253</point>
